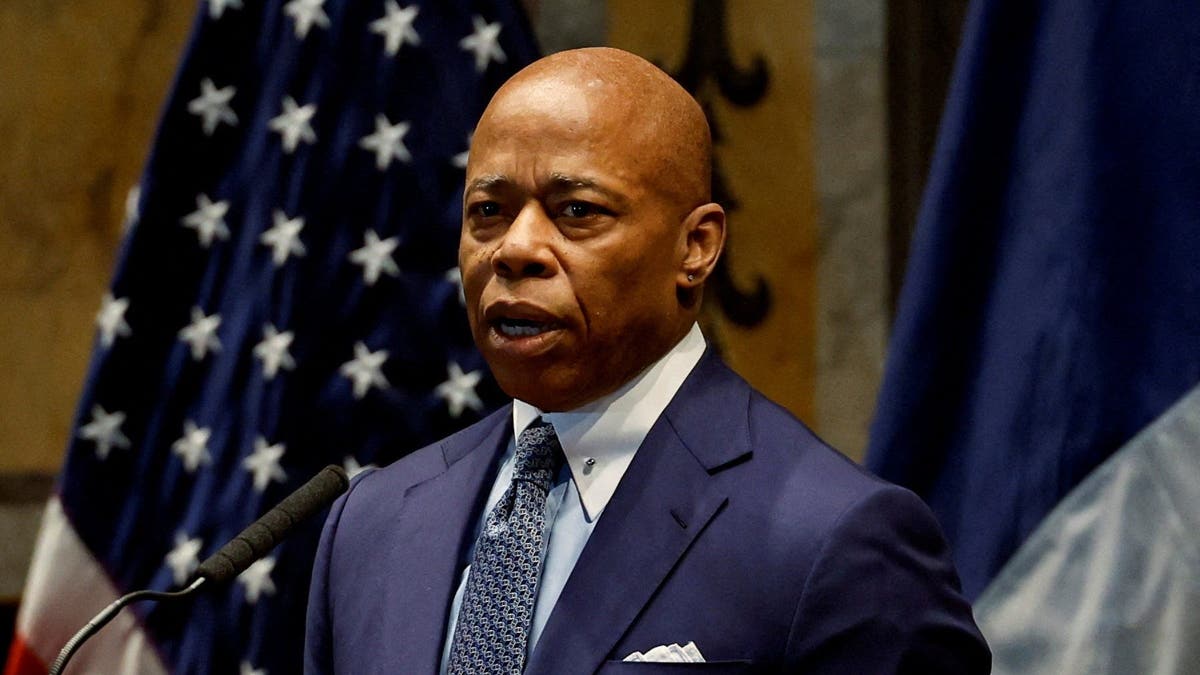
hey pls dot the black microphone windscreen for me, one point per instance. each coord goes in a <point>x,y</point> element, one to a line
<point>263,534</point>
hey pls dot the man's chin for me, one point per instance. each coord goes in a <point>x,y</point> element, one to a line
<point>543,388</point>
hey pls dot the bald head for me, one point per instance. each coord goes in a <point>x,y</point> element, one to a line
<point>630,100</point>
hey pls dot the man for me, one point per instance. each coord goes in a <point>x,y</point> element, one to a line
<point>691,515</point>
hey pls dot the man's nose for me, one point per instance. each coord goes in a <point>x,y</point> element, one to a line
<point>526,249</point>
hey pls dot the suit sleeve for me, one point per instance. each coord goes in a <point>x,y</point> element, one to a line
<point>318,642</point>
<point>883,597</point>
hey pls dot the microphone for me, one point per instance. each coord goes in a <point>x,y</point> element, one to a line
<point>233,558</point>
<point>263,534</point>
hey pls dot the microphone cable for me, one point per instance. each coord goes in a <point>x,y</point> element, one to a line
<point>108,613</point>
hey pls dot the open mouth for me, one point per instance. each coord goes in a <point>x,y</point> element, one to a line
<point>519,328</point>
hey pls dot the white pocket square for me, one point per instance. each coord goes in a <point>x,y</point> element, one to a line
<point>671,653</point>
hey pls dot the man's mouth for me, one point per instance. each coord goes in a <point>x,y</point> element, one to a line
<point>519,328</point>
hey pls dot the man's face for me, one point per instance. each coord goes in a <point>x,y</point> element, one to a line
<point>569,254</point>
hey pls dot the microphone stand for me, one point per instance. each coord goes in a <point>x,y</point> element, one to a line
<point>235,556</point>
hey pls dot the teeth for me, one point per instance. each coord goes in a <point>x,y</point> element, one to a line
<point>521,328</point>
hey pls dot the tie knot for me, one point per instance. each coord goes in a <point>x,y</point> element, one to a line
<point>539,454</point>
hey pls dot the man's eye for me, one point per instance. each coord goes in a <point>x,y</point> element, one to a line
<point>579,210</point>
<point>487,209</point>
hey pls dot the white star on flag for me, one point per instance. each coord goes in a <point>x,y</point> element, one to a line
<point>484,41</point>
<point>212,106</point>
<point>396,27</point>
<point>273,351</point>
<point>306,13</point>
<point>184,558</point>
<point>365,370</point>
<point>352,467</point>
<point>294,124</point>
<point>459,390</point>
<point>263,463</point>
<point>132,199</point>
<point>110,320</point>
<point>201,333</point>
<point>257,579</point>
<point>247,669</point>
<point>105,430</point>
<point>208,220</point>
<point>375,256</point>
<point>284,238</point>
<point>454,276</point>
<point>192,447</point>
<point>387,142</point>
<point>217,7</point>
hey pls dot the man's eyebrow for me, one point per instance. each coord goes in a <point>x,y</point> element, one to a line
<point>555,182</point>
<point>489,182</point>
<point>563,182</point>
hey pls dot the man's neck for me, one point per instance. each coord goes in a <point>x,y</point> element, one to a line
<point>600,437</point>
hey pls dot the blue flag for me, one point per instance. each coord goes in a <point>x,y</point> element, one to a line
<point>1050,309</point>
<point>287,297</point>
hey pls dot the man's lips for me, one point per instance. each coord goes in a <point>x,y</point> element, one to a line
<point>517,320</point>
<point>519,328</point>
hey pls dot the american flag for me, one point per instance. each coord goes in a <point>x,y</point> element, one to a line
<point>286,296</point>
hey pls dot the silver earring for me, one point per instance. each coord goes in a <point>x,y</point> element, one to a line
<point>691,277</point>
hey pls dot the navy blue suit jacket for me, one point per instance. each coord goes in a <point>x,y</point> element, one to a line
<point>734,527</point>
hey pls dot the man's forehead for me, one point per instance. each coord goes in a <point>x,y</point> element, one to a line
<point>558,149</point>
<point>601,105</point>
<point>555,104</point>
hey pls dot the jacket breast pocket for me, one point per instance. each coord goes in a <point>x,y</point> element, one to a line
<point>654,668</point>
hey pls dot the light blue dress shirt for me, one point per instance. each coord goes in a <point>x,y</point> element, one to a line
<point>599,441</point>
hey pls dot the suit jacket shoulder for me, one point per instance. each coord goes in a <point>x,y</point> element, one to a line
<point>808,563</point>
<point>388,484</point>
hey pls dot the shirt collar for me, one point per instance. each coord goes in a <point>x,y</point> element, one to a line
<point>599,439</point>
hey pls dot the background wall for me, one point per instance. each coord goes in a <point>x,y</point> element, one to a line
<point>81,82</point>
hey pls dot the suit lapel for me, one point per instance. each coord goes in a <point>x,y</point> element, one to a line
<point>663,503</point>
<point>441,514</point>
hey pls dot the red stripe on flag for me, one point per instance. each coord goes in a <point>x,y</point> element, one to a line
<point>22,660</point>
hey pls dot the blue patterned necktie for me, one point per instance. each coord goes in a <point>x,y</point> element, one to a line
<point>493,622</point>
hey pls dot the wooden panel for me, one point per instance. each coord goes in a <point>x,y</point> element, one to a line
<point>765,159</point>
<point>81,84</point>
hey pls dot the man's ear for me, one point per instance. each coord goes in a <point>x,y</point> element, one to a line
<point>703,238</point>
